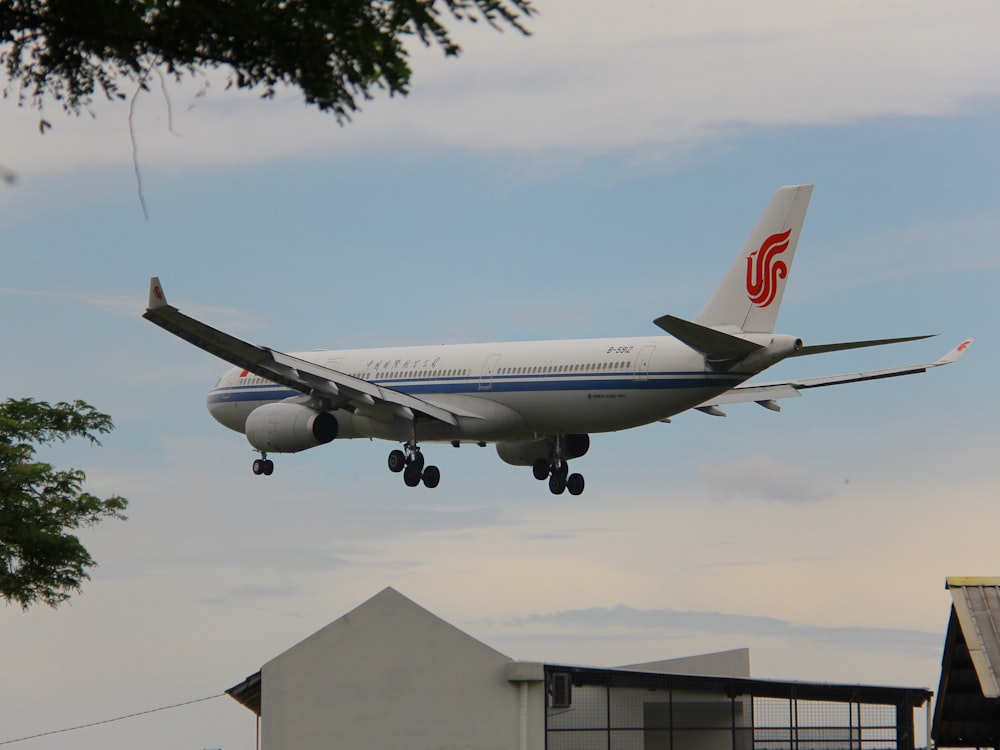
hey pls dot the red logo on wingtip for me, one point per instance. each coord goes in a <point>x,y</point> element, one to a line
<point>763,271</point>
<point>157,292</point>
<point>964,345</point>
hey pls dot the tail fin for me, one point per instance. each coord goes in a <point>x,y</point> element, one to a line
<point>749,297</point>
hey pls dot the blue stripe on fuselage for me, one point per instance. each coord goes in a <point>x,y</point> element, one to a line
<point>232,394</point>
<point>500,384</point>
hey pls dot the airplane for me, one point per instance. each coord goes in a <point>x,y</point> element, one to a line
<point>537,401</point>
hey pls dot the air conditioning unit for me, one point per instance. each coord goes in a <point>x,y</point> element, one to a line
<point>561,690</point>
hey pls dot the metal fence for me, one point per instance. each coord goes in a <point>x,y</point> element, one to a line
<point>619,710</point>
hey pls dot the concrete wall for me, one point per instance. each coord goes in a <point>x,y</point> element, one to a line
<point>390,675</point>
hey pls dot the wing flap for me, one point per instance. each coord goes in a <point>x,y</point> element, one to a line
<point>295,373</point>
<point>764,392</point>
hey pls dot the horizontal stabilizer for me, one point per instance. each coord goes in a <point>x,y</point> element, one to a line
<point>824,348</point>
<point>769,393</point>
<point>708,341</point>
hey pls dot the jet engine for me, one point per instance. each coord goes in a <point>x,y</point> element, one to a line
<point>525,454</point>
<point>289,428</point>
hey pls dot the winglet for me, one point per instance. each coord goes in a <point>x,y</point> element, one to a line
<point>156,296</point>
<point>955,353</point>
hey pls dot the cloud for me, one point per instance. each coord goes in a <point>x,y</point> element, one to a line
<point>122,306</point>
<point>128,306</point>
<point>252,594</point>
<point>763,478</point>
<point>614,619</point>
<point>287,527</point>
<point>593,78</point>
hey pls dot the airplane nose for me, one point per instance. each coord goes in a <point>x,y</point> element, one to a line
<point>225,410</point>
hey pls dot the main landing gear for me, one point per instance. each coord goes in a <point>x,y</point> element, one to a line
<point>262,465</point>
<point>411,464</point>
<point>556,471</point>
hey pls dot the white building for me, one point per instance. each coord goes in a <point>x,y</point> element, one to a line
<point>391,675</point>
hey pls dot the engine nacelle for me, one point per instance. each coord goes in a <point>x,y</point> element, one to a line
<point>525,454</point>
<point>775,349</point>
<point>289,428</point>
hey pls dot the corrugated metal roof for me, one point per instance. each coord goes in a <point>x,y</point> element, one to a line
<point>967,713</point>
<point>760,688</point>
<point>247,693</point>
<point>977,604</point>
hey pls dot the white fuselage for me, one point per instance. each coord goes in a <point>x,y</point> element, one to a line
<point>504,391</point>
<point>537,400</point>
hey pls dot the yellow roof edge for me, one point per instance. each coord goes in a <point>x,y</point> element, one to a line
<point>956,581</point>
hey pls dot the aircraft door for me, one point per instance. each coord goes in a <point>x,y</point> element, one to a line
<point>642,360</point>
<point>489,369</point>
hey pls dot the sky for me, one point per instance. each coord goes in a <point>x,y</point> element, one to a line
<point>578,182</point>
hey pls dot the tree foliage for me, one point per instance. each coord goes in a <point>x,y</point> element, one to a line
<point>335,51</point>
<point>40,561</point>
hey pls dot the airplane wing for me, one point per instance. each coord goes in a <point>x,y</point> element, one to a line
<point>295,373</point>
<point>767,394</point>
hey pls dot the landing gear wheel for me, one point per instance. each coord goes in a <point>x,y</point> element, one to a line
<point>397,461</point>
<point>411,476</point>
<point>268,467</point>
<point>575,484</point>
<point>557,483</point>
<point>562,470</point>
<point>416,459</point>
<point>431,477</point>
<point>258,466</point>
<point>540,469</point>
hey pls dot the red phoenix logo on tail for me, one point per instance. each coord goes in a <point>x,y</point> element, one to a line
<point>763,271</point>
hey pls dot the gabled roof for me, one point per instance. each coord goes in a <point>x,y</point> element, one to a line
<point>386,621</point>
<point>390,616</point>
<point>967,713</point>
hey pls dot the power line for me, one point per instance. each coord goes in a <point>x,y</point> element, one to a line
<point>111,721</point>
